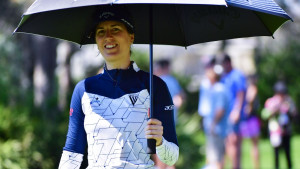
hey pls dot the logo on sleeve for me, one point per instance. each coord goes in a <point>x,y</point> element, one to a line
<point>171,107</point>
<point>133,98</point>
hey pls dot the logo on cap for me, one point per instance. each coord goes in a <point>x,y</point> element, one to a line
<point>106,15</point>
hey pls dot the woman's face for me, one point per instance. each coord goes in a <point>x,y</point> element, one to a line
<point>211,75</point>
<point>114,41</point>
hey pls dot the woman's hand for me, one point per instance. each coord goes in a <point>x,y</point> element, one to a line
<point>154,130</point>
<point>234,116</point>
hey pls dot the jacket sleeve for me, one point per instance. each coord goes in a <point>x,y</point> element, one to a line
<point>76,138</point>
<point>168,152</point>
<point>70,160</point>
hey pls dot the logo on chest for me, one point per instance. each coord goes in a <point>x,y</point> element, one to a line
<point>133,98</point>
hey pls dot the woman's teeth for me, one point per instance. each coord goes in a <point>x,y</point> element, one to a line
<point>110,46</point>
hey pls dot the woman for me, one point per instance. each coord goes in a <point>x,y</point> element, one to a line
<point>250,126</point>
<point>280,110</point>
<point>109,111</point>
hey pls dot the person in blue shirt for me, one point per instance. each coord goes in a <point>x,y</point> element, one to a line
<point>213,107</point>
<point>235,83</point>
<point>109,111</point>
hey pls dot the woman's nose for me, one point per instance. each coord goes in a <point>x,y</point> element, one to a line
<point>108,34</point>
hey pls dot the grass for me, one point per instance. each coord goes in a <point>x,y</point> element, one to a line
<point>267,154</point>
<point>192,148</point>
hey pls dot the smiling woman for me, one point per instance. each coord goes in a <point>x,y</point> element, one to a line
<point>110,110</point>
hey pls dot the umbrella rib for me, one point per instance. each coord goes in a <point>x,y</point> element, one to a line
<point>181,27</point>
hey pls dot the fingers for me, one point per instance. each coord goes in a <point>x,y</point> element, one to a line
<point>154,121</point>
<point>154,130</point>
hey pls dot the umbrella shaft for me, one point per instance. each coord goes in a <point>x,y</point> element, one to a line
<point>151,79</point>
<point>151,59</point>
<point>151,143</point>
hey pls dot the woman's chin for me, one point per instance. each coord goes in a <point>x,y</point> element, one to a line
<point>110,55</point>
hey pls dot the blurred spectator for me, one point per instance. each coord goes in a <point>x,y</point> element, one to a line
<point>279,110</point>
<point>250,126</point>
<point>213,107</point>
<point>162,69</point>
<point>235,83</point>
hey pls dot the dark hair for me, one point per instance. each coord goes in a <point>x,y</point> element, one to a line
<point>163,63</point>
<point>226,58</point>
<point>211,63</point>
<point>280,87</point>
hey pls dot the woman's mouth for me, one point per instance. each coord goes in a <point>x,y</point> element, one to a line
<point>110,46</point>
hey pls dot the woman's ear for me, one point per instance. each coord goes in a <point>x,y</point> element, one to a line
<point>131,38</point>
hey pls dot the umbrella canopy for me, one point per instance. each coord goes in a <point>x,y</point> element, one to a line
<point>174,22</point>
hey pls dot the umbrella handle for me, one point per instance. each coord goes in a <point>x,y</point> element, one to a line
<point>151,146</point>
<point>151,143</point>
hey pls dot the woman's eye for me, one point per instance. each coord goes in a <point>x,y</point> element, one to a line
<point>100,32</point>
<point>115,29</point>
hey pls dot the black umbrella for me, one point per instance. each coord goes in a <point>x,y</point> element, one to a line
<point>171,22</point>
<point>183,24</point>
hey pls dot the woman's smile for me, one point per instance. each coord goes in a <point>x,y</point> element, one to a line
<point>110,46</point>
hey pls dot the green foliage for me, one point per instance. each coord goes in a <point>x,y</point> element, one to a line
<point>16,137</point>
<point>141,59</point>
<point>9,68</point>
<point>191,141</point>
<point>190,105</point>
<point>29,138</point>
